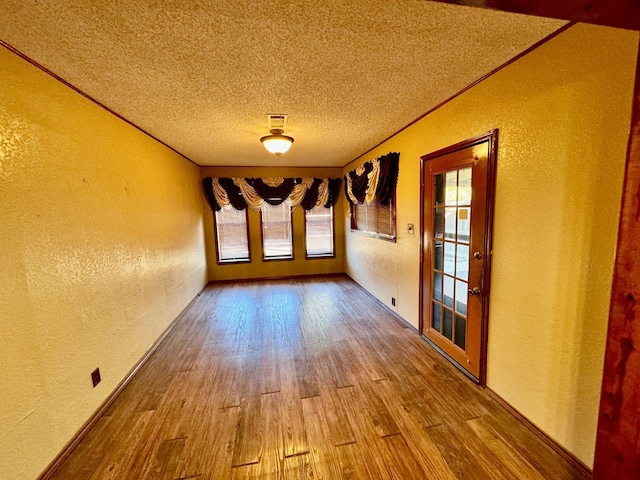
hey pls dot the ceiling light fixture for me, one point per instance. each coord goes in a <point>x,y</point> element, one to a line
<point>277,143</point>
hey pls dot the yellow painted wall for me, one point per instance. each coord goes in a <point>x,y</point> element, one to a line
<point>563,112</point>
<point>101,247</point>
<point>284,268</point>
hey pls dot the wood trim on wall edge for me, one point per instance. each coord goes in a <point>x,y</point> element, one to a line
<point>386,307</point>
<point>570,458</point>
<point>77,438</point>
<point>282,277</point>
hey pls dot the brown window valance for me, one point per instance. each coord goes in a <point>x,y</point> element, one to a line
<point>373,180</point>
<point>240,193</point>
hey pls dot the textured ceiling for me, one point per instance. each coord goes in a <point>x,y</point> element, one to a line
<point>202,76</point>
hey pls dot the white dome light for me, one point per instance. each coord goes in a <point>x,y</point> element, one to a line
<point>277,143</point>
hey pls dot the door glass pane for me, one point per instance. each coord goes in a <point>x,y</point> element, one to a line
<point>438,221</point>
<point>451,188</point>
<point>461,297</point>
<point>437,314</point>
<point>447,324</point>
<point>438,184</point>
<point>461,332</point>
<point>451,252</point>
<point>448,291</point>
<point>437,286</point>
<point>464,186</point>
<point>464,224</point>
<point>462,262</point>
<point>450,258</point>
<point>450,223</point>
<point>437,255</point>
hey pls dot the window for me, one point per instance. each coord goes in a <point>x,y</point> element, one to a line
<point>277,239</point>
<point>318,233</point>
<point>375,219</point>
<point>232,236</point>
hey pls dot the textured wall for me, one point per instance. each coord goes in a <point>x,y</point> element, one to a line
<point>257,268</point>
<point>101,247</point>
<point>563,112</point>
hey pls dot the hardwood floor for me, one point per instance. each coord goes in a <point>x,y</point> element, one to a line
<point>300,379</point>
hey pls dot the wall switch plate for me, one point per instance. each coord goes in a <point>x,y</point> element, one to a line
<point>410,228</point>
<point>95,377</point>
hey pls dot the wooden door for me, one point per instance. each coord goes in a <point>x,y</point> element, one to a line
<point>457,205</point>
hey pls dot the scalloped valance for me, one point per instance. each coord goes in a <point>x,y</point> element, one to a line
<point>254,193</point>
<point>373,180</point>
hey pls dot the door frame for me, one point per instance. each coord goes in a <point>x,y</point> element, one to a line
<point>492,138</point>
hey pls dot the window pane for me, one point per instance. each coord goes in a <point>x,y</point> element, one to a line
<point>462,262</point>
<point>374,218</point>
<point>361,216</point>
<point>450,223</point>
<point>450,258</point>
<point>438,229</point>
<point>447,327</point>
<point>464,186</point>
<point>448,291</point>
<point>438,183</point>
<point>276,231</point>
<point>461,332</point>
<point>461,297</point>
<point>437,286</point>
<point>451,189</point>
<point>437,255</point>
<point>232,239</point>
<point>435,320</point>
<point>384,219</point>
<point>319,231</point>
<point>464,224</point>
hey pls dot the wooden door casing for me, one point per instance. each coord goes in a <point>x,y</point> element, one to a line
<point>480,153</point>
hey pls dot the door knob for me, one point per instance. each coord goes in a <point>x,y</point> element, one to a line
<point>477,255</point>
<point>474,291</point>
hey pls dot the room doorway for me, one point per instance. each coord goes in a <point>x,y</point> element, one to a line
<point>457,216</point>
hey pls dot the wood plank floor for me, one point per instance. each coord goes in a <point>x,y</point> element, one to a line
<point>300,379</point>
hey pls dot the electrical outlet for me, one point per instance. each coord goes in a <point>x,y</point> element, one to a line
<point>393,301</point>
<point>95,377</point>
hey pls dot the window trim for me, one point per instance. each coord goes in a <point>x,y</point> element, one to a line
<point>333,238</point>
<point>388,238</point>
<point>215,235</point>
<point>281,258</point>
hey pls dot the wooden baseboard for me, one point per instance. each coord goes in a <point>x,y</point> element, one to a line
<point>454,364</point>
<point>574,461</point>
<point>386,307</point>
<point>284,277</point>
<point>77,438</point>
<point>398,317</point>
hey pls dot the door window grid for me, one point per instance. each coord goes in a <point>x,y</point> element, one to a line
<point>452,232</point>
